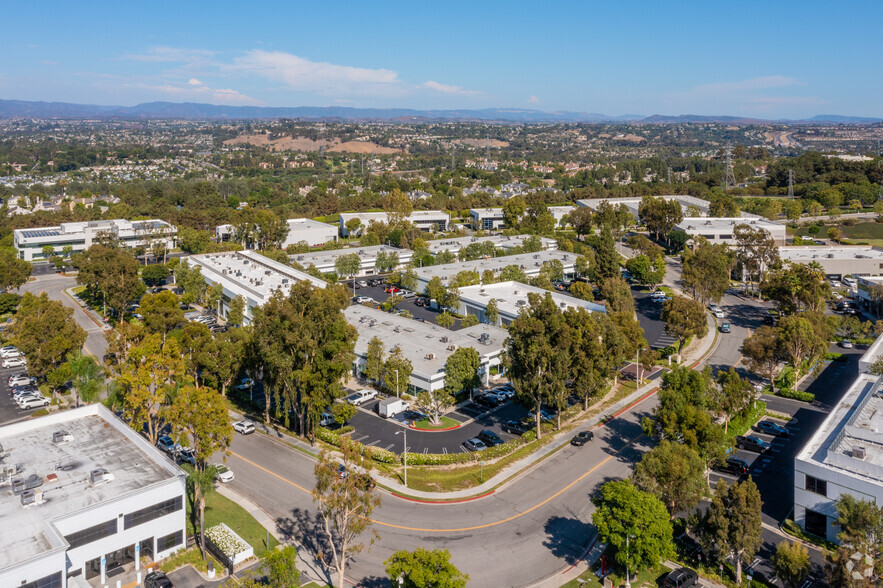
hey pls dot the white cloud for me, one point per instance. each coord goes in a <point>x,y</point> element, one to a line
<point>533,99</point>
<point>195,82</point>
<point>446,89</point>
<point>197,91</point>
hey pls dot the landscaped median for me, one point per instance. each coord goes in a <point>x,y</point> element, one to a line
<point>444,424</point>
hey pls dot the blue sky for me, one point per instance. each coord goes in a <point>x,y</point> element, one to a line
<point>779,59</point>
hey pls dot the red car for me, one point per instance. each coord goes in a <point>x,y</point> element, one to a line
<point>392,289</point>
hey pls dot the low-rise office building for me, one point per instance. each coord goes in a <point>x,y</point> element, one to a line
<point>844,455</point>
<point>511,299</point>
<point>427,346</point>
<point>722,230</point>
<point>82,235</point>
<point>838,261</point>
<point>506,243</point>
<point>530,263</point>
<point>426,220</point>
<point>559,212</point>
<point>487,219</point>
<point>250,275</point>
<point>632,203</point>
<point>85,494</point>
<point>305,230</point>
<point>325,261</point>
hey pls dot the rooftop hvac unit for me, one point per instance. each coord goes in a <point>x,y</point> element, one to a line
<point>267,272</point>
<point>397,329</point>
<point>430,356</point>
<point>61,437</point>
<point>100,476</point>
<point>20,485</point>
<point>244,262</point>
<point>536,256</point>
<point>32,497</point>
<point>521,303</point>
<point>858,452</point>
<point>284,280</point>
<point>451,347</point>
<point>444,339</point>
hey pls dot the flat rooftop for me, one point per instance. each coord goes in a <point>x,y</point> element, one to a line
<point>98,439</point>
<point>303,224</point>
<point>855,424</point>
<point>256,275</point>
<point>529,262</point>
<point>414,216</point>
<point>511,297</point>
<point>807,254</point>
<point>324,258</point>
<point>710,223</point>
<point>634,201</point>
<point>418,339</point>
<point>499,241</point>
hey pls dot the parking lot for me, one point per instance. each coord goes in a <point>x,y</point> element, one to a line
<point>9,410</point>
<point>377,294</point>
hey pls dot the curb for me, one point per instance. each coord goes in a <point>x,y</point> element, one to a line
<point>413,428</point>
<point>455,501</point>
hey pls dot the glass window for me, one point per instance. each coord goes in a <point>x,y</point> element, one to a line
<point>169,541</point>
<point>145,515</point>
<point>816,485</point>
<point>91,534</point>
<point>816,523</point>
<point>50,581</point>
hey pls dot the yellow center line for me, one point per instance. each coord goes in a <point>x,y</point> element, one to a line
<point>500,522</point>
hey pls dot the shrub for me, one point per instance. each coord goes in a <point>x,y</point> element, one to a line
<point>795,394</point>
<point>39,413</point>
<point>834,356</point>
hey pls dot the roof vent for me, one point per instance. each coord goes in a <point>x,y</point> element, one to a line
<point>451,347</point>
<point>32,498</point>
<point>858,452</point>
<point>267,272</point>
<point>20,485</point>
<point>61,437</point>
<point>444,339</point>
<point>430,356</point>
<point>100,476</point>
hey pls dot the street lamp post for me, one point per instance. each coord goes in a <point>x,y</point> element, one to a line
<point>405,452</point>
<point>398,394</point>
<point>628,575</point>
<point>401,581</point>
<point>638,365</point>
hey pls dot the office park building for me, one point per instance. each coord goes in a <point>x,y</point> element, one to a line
<point>82,235</point>
<point>82,495</point>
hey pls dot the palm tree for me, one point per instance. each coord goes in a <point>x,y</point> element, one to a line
<point>200,483</point>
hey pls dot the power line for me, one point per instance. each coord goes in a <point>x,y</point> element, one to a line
<point>729,176</point>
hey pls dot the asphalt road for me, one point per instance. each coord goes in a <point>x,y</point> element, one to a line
<point>9,410</point>
<point>54,285</point>
<point>520,534</point>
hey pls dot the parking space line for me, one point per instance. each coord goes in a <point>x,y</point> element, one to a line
<point>444,449</point>
<point>388,447</point>
<point>360,438</point>
<point>425,450</point>
<point>375,442</point>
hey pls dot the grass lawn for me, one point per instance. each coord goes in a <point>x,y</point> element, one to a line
<point>219,509</point>
<point>871,233</point>
<point>644,578</point>
<point>445,423</point>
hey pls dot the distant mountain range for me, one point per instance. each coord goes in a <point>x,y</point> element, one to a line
<point>192,110</point>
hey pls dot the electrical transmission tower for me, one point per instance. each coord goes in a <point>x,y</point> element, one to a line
<point>669,175</point>
<point>729,176</point>
<point>790,183</point>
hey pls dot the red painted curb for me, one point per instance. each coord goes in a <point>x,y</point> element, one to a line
<point>434,430</point>
<point>470,499</point>
<point>630,406</point>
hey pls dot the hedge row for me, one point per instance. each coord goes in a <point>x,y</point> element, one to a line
<point>449,458</point>
<point>369,451</point>
<point>795,394</point>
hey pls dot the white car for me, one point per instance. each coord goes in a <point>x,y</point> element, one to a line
<point>363,299</point>
<point>223,473</point>
<point>718,312</point>
<point>33,402</point>
<point>244,427</point>
<point>361,397</point>
<point>245,384</point>
<point>17,381</point>
<point>10,353</point>
<point>13,362</point>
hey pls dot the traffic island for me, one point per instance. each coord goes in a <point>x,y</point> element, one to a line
<point>445,424</point>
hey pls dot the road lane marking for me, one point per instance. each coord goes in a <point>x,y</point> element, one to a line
<point>463,529</point>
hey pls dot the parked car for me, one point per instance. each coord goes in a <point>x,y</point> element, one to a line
<point>488,400</point>
<point>360,397</point>
<point>733,465</point>
<point>223,474</point>
<point>772,428</point>
<point>391,290</point>
<point>725,328</point>
<point>681,578</point>
<point>13,362</point>
<point>167,444</point>
<point>363,299</point>
<point>16,375</point>
<point>185,454</point>
<point>407,294</point>
<point>490,438</point>
<point>846,344</point>
<point>515,427</point>
<point>157,580</point>
<point>20,393</point>
<point>9,351</point>
<point>17,381</point>
<point>716,310</point>
<point>244,427</point>
<point>342,471</point>
<point>504,392</point>
<point>33,402</point>
<point>474,444</point>
<point>362,283</point>
<point>752,443</point>
<point>582,438</point>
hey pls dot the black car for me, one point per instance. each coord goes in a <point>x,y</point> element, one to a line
<point>681,578</point>
<point>752,443</point>
<point>772,428</point>
<point>515,427</point>
<point>157,580</point>
<point>490,438</point>
<point>582,438</point>
<point>733,465</point>
<point>487,400</point>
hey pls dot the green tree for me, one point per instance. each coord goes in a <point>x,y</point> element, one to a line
<point>618,295</point>
<point>684,318</point>
<point>735,394</point>
<point>756,251</point>
<point>606,257</point>
<point>280,566</point>
<point>513,210</point>
<point>13,271</point>
<point>798,339</point>
<point>397,371</point>
<point>222,356</point>
<point>161,312</point>
<point>409,279</point>
<point>342,412</point>
<point>861,541</point>
<point>660,215</point>
<point>111,271</point>
<point>87,377</point>
<point>582,291</point>
<point>513,273</point>
<point>347,266</point>
<point>445,320</point>
<point>45,332</point>
<point>645,270</point>
<point>374,360</point>
<point>424,568</point>
<point>213,296</point>
<point>733,522</point>
<point>492,312</point>
<point>791,563</point>
<point>48,251</point>
<point>674,473</point>
<point>763,352</point>
<point>199,420</point>
<point>706,270</point>
<point>797,287</point>
<point>191,280</point>
<point>625,513</point>
<point>344,505</point>
<point>236,311</point>
<point>581,220</point>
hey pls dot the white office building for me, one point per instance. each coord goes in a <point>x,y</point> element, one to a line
<point>838,261</point>
<point>559,212</point>
<point>487,219</point>
<point>325,261</point>
<point>844,455</point>
<point>82,235</point>
<point>306,230</point>
<point>530,263</point>
<point>722,230</point>
<point>426,220</point>
<point>511,299</point>
<point>632,203</point>
<point>504,242</point>
<point>84,494</point>
<point>250,275</point>
<point>427,346</point>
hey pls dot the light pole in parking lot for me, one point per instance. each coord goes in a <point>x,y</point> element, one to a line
<point>405,452</point>
<point>638,365</point>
